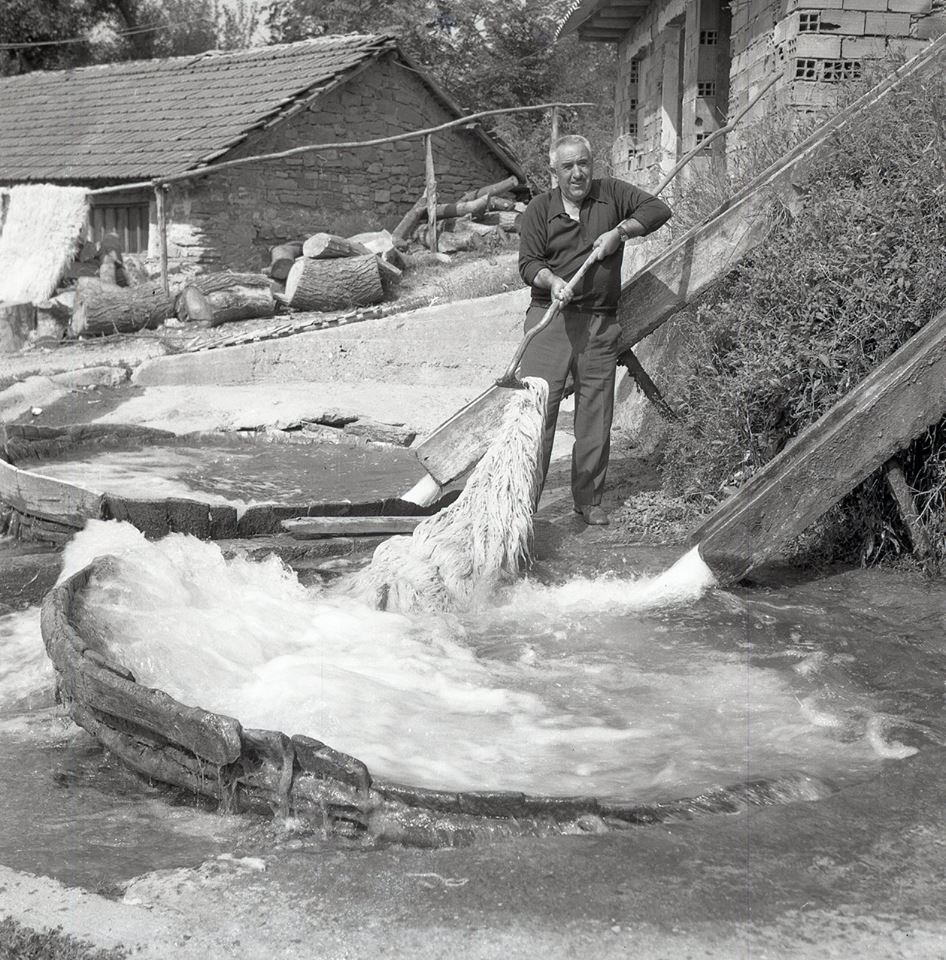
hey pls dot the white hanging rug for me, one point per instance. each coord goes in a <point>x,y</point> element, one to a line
<point>456,558</point>
<point>39,239</point>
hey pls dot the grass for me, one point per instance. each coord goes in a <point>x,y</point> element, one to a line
<point>22,943</point>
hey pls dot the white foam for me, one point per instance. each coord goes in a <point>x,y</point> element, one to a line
<point>577,696</point>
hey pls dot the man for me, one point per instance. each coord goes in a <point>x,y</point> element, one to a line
<point>558,231</point>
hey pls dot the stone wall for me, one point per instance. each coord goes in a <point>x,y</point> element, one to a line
<point>231,219</point>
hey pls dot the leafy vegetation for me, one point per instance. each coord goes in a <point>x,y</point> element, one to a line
<point>21,943</point>
<point>835,289</point>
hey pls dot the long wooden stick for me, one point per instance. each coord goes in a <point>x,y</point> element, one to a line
<point>431,184</point>
<point>715,135</point>
<point>347,145</point>
<point>161,203</point>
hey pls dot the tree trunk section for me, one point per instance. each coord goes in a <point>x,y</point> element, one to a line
<point>223,297</point>
<point>17,320</point>
<point>103,309</point>
<point>326,246</point>
<point>282,258</point>
<point>334,284</point>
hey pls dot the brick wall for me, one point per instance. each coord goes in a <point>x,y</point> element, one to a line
<point>231,219</point>
<point>824,42</point>
<point>814,45</point>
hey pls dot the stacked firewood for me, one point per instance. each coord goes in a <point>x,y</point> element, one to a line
<point>479,218</point>
<point>329,272</point>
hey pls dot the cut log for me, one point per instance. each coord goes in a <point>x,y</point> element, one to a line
<point>281,259</point>
<point>222,297</point>
<point>17,321</point>
<point>710,250</point>
<point>110,267</point>
<point>508,184</point>
<point>102,309</point>
<point>410,219</point>
<point>334,284</point>
<point>52,319</point>
<point>390,276</point>
<point>879,417</point>
<point>326,246</point>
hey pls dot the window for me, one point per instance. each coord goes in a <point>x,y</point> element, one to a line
<point>706,88</point>
<point>709,38</point>
<point>806,69</point>
<point>128,219</point>
<point>632,104</point>
<point>635,71</point>
<point>833,70</point>
<point>632,128</point>
<point>809,22</point>
<point>700,137</point>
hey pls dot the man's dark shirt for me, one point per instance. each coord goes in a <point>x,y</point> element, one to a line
<point>548,237</point>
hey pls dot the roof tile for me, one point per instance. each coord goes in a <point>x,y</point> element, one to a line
<point>149,118</point>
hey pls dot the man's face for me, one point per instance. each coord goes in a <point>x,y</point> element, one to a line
<point>573,168</point>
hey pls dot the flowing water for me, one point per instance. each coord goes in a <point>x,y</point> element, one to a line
<point>610,684</point>
<point>239,472</point>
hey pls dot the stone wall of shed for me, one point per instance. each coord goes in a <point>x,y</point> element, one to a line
<point>231,219</point>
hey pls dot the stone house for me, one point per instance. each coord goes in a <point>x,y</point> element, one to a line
<point>134,121</point>
<point>685,66</point>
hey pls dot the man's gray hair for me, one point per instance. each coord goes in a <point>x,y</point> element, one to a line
<point>569,140</point>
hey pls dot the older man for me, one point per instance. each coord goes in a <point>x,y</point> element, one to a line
<point>558,231</point>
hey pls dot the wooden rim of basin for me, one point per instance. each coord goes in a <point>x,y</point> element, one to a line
<point>269,771</point>
<point>61,508</point>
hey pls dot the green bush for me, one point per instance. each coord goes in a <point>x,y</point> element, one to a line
<point>836,287</point>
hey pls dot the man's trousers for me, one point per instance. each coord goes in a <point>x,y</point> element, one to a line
<point>585,345</point>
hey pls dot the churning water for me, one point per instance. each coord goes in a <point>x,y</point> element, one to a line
<point>615,686</point>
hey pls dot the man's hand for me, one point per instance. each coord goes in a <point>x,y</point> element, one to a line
<point>559,290</point>
<point>607,243</point>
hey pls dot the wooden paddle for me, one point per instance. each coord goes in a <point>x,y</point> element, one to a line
<point>459,444</point>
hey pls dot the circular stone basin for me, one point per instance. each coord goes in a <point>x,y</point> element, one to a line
<point>604,689</point>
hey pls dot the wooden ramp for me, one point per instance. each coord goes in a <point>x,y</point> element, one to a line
<point>882,415</point>
<point>709,251</point>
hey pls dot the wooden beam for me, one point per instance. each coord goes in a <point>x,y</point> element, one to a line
<point>431,187</point>
<point>610,36</point>
<point>710,250</point>
<point>878,418</point>
<point>903,495</point>
<point>314,528</point>
<point>160,196</point>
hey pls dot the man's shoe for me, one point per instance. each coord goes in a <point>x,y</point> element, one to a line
<point>593,514</point>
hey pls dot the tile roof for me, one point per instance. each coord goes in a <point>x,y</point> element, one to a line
<point>147,118</point>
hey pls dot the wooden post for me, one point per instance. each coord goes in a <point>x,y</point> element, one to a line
<point>161,202</point>
<point>919,542</point>
<point>431,193</point>
<point>553,136</point>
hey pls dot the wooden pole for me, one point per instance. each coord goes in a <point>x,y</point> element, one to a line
<point>431,193</point>
<point>553,136</point>
<point>919,541</point>
<point>161,202</point>
<point>465,122</point>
